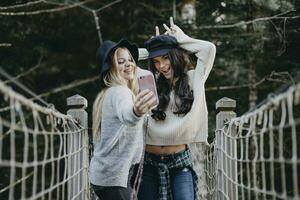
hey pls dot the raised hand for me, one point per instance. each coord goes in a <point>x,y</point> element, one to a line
<point>156,31</point>
<point>169,31</point>
<point>172,26</point>
<point>174,30</point>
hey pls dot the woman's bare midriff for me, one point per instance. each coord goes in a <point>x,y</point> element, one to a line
<point>164,150</point>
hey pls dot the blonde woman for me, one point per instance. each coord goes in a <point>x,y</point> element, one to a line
<point>117,120</point>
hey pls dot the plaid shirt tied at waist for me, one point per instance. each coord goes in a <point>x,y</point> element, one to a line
<point>164,164</point>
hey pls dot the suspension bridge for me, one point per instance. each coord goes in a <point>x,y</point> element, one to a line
<point>44,154</point>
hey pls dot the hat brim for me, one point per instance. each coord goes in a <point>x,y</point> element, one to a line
<point>105,64</point>
<point>133,49</point>
<point>159,52</point>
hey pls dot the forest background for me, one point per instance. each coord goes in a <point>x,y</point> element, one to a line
<point>49,45</point>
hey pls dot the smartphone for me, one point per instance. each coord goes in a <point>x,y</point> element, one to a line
<point>147,82</point>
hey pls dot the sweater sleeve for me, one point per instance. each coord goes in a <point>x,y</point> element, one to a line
<point>204,50</point>
<point>122,104</point>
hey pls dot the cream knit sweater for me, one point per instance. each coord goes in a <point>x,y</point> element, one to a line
<point>193,127</point>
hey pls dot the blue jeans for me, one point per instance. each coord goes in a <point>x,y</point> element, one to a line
<point>181,184</point>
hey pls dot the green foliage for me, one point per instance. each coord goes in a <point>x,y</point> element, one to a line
<point>67,42</point>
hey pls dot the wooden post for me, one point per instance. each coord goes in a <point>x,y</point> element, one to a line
<point>76,141</point>
<point>226,189</point>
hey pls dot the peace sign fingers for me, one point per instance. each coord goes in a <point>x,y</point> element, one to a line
<point>167,28</point>
<point>171,22</point>
<point>156,31</point>
<point>172,30</point>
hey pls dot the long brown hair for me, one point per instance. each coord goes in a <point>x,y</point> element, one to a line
<point>180,63</point>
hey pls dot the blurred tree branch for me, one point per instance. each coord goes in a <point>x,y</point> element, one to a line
<point>5,44</point>
<point>74,84</point>
<point>26,72</point>
<point>62,7</point>
<point>22,5</point>
<point>274,76</point>
<point>96,18</point>
<point>243,23</point>
<point>281,77</point>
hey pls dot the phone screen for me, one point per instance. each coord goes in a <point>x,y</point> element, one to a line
<point>147,82</point>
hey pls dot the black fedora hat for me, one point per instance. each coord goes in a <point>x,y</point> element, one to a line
<point>102,54</point>
<point>160,45</point>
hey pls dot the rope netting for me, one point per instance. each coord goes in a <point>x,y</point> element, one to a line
<point>198,151</point>
<point>43,153</point>
<point>256,156</point>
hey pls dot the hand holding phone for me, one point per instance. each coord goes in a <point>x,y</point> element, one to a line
<point>147,82</point>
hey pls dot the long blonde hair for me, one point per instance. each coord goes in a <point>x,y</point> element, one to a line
<point>112,78</point>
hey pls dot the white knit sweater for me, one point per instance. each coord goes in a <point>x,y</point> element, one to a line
<point>193,127</point>
<point>121,143</point>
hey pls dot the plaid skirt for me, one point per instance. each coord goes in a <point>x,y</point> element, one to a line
<point>166,162</point>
